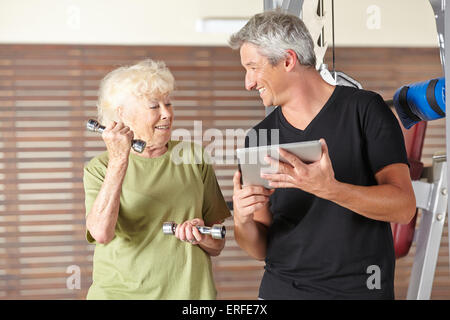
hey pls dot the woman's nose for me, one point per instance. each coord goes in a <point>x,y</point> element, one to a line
<point>166,112</point>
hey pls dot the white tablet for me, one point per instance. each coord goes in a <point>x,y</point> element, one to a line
<point>252,164</point>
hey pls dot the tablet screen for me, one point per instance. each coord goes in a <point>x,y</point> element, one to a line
<point>252,164</point>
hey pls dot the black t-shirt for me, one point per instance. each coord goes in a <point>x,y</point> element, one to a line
<point>317,249</point>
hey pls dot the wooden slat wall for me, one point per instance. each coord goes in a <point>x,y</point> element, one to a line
<point>48,91</point>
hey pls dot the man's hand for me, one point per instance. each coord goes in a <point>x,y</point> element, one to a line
<point>316,178</point>
<point>248,199</point>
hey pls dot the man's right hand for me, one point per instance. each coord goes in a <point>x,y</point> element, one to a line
<point>118,139</point>
<point>248,199</point>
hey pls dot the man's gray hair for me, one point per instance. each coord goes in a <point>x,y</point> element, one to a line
<point>274,32</point>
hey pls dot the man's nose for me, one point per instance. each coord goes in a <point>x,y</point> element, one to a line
<point>250,83</point>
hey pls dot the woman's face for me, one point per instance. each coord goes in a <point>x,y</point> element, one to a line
<point>150,118</point>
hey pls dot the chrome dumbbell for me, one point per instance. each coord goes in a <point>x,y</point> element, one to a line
<point>217,231</point>
<point>95,126</point>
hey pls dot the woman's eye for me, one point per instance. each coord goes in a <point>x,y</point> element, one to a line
<point>168,104</point>
<point>156,106</point>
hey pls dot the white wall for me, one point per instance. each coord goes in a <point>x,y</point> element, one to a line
<point>173,22</point>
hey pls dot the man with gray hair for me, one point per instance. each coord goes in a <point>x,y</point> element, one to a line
<point>324,227</point>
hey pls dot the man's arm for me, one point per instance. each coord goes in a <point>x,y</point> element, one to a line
<point>251,217</point>
<point>391,200</point>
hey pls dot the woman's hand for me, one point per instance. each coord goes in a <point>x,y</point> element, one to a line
<point>118,139</point>
<point>187,231</point>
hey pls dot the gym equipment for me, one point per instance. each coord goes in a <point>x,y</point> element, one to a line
<point>420,101</point>
<point>432,198</point>
<point>313,15</point>
<point>438,7</point>
<point>217,231</point>
<point>95,126</point>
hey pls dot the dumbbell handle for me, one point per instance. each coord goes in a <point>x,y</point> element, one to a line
<point>95,126</point>
<point>217,231</point>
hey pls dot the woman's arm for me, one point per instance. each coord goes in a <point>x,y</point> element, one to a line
<point>102,218</point>
<point>211,246</point>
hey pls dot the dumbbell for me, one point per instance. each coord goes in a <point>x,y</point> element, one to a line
<point>217,231</point>
<point>95,126</point>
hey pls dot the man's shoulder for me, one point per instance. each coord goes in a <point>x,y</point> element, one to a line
<point>352,94</point>
<point>359,100</point>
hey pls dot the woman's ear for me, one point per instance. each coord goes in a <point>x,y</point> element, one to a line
<point>120,112</point>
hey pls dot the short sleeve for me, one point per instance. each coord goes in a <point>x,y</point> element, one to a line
<point>214,206</point>
<point>383,136</point>
<point>93,178</point>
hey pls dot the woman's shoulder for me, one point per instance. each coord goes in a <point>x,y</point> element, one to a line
<point>99,161</point>
<point>182,148</point>
<point>187,143</point>
<point>190,153</point>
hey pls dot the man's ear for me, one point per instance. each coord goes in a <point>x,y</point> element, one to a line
<point>290,61</point>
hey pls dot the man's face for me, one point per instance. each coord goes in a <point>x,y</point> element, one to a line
<point>262,76</point>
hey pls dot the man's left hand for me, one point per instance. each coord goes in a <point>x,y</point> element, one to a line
<point>316,178</point>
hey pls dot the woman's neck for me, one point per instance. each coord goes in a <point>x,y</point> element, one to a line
<point>153,151</point>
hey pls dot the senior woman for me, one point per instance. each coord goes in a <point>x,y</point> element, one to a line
<point>130,195</point>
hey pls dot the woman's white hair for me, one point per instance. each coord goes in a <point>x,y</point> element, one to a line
<point>274,32</point>
<point>147,78</point>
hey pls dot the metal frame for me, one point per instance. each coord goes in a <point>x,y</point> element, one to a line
<point>432,198</point>
<point>439,14</point>
<point>294,7</point>
<point>447,85</point>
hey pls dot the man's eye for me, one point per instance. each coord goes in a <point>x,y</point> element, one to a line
<point>156,106</point>
<point>168,104</point>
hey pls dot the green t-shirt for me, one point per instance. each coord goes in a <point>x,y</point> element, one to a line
<point>141,262</point>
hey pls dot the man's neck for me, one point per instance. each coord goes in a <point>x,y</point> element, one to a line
<point>308,95</point>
